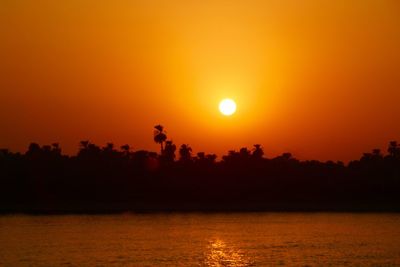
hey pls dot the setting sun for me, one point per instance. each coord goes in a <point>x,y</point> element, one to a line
<point>227,107</point>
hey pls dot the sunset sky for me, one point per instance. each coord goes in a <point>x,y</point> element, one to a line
<point>320,79</point>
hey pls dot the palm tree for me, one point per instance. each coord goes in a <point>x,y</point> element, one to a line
<point>244,152</point>
<point>394,149</point>
<point>160,136</point>
<point>185,152</point>
<point>258,152</point>
<point>169,153</point>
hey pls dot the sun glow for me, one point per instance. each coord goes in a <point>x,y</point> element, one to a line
<point>227,107</point>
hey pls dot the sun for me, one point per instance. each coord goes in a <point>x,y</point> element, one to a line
<point>227,106</point>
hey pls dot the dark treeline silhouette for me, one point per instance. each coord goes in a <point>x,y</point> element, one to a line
<point>107,179</point>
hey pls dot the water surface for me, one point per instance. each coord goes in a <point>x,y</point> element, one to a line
<point>248,239</point>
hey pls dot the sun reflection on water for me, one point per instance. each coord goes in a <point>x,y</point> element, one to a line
<point>221,254</point>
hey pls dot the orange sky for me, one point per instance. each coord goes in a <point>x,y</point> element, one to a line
<point>318,78</point>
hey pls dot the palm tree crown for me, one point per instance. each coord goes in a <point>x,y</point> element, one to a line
<point>160,136</point>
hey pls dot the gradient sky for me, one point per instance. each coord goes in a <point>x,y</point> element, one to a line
<point>320,79</point>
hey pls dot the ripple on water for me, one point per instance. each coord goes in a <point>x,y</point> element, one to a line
<point>292,239</point>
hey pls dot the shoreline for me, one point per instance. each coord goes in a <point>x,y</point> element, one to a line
<point>195,207</point>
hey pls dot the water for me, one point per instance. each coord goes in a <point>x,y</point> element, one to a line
<point>253,239</point>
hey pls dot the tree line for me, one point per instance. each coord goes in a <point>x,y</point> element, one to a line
<point>107,179</point>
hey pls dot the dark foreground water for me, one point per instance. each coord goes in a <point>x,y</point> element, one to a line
<point>252,239</point>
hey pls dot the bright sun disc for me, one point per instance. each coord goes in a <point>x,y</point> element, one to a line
<point>227,107</point>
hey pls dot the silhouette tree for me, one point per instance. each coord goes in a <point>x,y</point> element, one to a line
<point>169,151</point>
<point>56,149</point>
<point>211,158</point>
<point>34,150</point>
<point>89,150</point>
<point>159,136</point>
<point>377,154</point>
<point>394,150</point>
<point>84,144</point>
<point>146,180</point>
<point>366,157</point>
<point>287,156</point>
<point>46,149</point>
<point>185,153</point>
<point>244,153</point>
<point>109,147</point>
<point>258,152</point>
<point>201,156</point>
<point>125,149</point>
